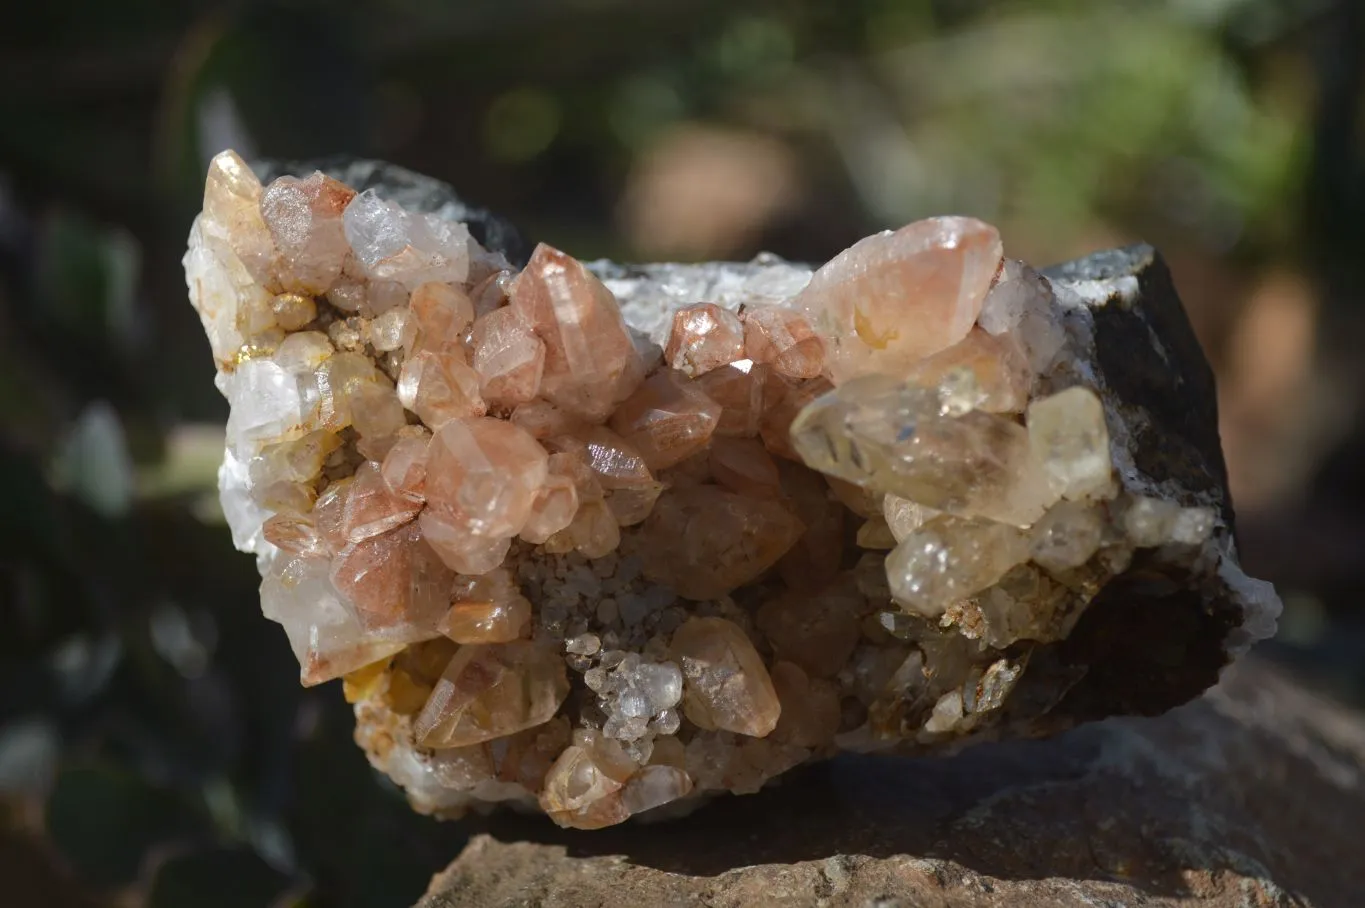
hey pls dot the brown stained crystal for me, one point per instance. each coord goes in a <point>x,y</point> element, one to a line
<point>810,714</point>
<point>491,691</point>
<point>486,609</point>
<point>744,466</point>
<point>582,790</point>
<point>815,630</point>
<point>728,687</point>
<point>815,558</point>
<point>703,541</point>
<point>743,390</point>
<point>783,403</point>
<point>557,567</point>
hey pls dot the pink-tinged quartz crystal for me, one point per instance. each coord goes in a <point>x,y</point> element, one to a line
<point>897,297</point>
<point>486,609</point>
<point>668,419</point>
<point>439,387</point>
<point>508,357</point>
<point>395,581</point>
<point>371,508</point>
<point>742,389</point>
<point>618,468</point>
<point>544,420</point>
<point>783,339</point>
<point>441,314</point>
<point>590,361</point>
<point>555,504</point>
<point>404,469</point>
<point>483,475</point>
<point>459,547</point>
<point>704,337</point>
<point>304,217</point>
<point>842,517</point>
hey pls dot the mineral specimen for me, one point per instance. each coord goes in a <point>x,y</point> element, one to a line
<point>606,539</point>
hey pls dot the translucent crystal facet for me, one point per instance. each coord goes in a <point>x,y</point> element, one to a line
<point>896,297</point>
<point>508,357</point>
<point>728,687</point>
<point>392,244</point>
<point>591,364</point>
<point>878,432</point>
<point>491,691</point>
<point>704,337</point>
<point>305,220</point>
<point>783,339</point>
<point>949,558</point>
<point>668,419</point>
<point>1070,440</point>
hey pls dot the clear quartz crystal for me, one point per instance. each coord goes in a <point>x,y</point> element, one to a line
<point>878,432</point>
<point>392,244</point>
<point>949,558</point>
<point>1069,438</point>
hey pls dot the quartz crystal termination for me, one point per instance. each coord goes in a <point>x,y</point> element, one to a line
<point>602,540</point>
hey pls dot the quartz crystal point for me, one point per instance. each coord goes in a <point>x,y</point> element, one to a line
<point>605,540</point>
<point>897,297</point>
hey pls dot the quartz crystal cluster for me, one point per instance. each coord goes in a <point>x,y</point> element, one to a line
<point>598,540</point>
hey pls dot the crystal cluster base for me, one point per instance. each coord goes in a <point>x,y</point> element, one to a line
<point>600,540</point>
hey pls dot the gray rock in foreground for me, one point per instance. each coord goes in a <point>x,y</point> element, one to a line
<point>1252,795</point>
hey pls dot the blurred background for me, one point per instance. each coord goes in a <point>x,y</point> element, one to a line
<point>155,747</point>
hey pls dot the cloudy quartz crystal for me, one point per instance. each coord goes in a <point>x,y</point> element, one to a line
<point>602,541</point>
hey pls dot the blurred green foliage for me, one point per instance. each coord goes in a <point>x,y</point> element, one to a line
<point>147,705</point>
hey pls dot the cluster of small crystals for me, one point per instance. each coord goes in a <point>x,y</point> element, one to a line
<point>558,566</point>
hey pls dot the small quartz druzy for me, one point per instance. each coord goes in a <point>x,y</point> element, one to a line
<point>600,539</point>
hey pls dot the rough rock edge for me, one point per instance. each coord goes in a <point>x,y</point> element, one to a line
<point>1249,797</point>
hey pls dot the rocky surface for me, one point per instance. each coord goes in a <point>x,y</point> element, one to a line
<point>1251,796</point>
